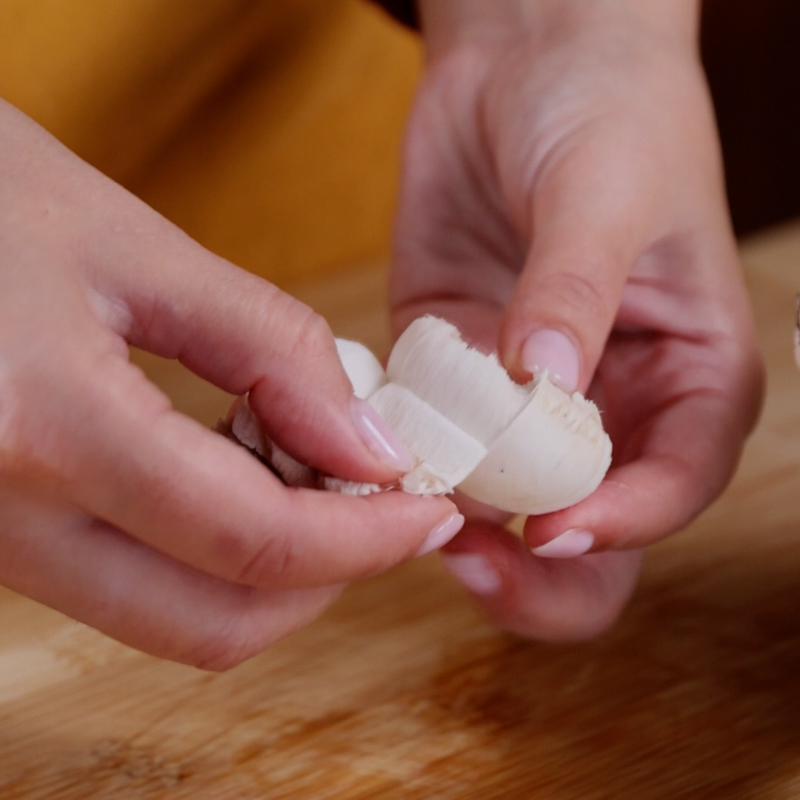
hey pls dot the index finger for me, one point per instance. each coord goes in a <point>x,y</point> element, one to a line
<point>133,461</point>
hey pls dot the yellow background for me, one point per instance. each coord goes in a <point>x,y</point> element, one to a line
<point>269,130</point>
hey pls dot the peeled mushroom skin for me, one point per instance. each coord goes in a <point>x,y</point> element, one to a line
<point>554,454</point>
<point>523,449</point>
<point>445,453</point>
<point>469,387</point>
<point>527,449</point>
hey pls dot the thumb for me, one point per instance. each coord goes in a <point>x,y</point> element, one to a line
<point>587,229</point>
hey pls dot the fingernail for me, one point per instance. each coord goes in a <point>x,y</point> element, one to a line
<point>378,437</point>
<point>442,534</point>
<point>474,571</point>
<point>570,544</point>
<point>552,351</point>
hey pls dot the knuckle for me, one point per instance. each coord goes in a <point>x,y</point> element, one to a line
<point>31,434</point>
<point>230,645</point>
<point>45,406</point>
<point>291,326</point>
<point>251,622</point>
<point>314,335</point>
<point>270,561</point>
<point>582,294</point>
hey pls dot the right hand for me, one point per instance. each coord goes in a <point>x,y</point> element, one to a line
<point>126,515</point>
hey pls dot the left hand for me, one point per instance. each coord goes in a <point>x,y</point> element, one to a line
<point>563,203</point>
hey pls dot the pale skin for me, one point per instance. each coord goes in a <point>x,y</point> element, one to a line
<point>561,174</point>
<point>119,511</point>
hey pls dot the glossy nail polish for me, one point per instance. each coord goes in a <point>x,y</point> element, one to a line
<point>553,352</point>
<point>442,534</point>
<point>569,544</point>
<point>378,437</point>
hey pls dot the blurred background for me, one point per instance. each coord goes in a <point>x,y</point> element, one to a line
<point>751,51</point>
<point>269,130</point>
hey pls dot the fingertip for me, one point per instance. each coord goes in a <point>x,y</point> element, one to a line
<point>570,544</point>
<point>441,534</point>
<point>474,571</point>
<point>478,558</point>
<point>598,523</point>
<point>336,433</point>
<point>562,310</point>
<point>566,600</point>
<point>542,337</point>
<point>636,505</point>
<point>553,353</point>
<point>378,437</point>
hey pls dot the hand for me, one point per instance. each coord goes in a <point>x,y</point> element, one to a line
<point>563,203</point>
<point>119,511</point>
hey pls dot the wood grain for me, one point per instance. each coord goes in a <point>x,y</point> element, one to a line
<point>403,690</point>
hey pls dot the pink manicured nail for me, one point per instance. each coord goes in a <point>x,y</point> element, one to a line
<point>441,534</point>
<point>378,436</point>
<point>554,352</point>
<point>569,545</point>
<point>474,571</point>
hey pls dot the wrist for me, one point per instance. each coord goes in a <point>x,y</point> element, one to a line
<point>449,23</point>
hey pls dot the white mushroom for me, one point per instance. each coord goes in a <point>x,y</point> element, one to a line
<point>523,449</point>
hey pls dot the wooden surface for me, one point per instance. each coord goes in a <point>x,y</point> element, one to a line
<point>403,691</point>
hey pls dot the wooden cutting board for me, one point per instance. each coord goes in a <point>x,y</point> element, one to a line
<point>402,690</point>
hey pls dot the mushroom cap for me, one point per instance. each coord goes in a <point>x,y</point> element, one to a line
<point>362,367</point>
<point>523,449</point>
<point>554,454</point>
